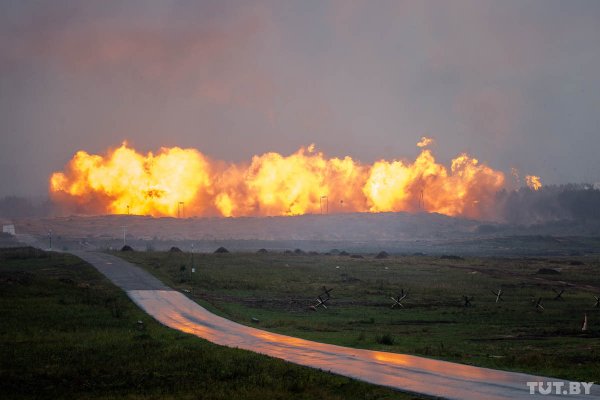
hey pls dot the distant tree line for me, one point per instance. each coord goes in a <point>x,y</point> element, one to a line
<point>579,202</point>
<point>22,207</point>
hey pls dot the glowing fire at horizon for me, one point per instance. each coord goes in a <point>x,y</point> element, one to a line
<point>425,141</point>
<point>533,182</point>
<point>125,181</point>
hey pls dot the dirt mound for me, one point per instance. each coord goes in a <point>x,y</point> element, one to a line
<point>547,271</point>
<point>221,250</point>
<point>451,257</point>
<point>15,253</point>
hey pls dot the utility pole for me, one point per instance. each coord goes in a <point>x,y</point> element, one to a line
<point>192,270</point>
<point>50,238</point>
<point>326,204</point>
<point>192,261</point>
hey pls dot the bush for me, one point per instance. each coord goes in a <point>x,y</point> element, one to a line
<point>548,271</point>
<point>386,339</point>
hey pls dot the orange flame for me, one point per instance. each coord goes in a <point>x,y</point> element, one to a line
<point>533,182</point>
<point>124,180</point>
<point>425,141</point>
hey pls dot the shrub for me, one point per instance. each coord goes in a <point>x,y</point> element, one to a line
<point>386,339</point>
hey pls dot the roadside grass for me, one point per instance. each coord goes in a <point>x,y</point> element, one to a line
<point>276,289</point>
<point>67,332</point>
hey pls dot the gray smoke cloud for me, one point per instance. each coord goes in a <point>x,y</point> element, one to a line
<point>513,83</point>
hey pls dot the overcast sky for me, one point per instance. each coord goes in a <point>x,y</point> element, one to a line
<point>514,83</point>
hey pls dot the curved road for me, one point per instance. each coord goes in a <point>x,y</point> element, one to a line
<point>403,372</point>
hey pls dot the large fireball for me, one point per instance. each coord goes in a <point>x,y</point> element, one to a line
<point>125,181</point>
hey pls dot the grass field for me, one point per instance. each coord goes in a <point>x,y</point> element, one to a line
<point>66,332</point>
<point>512,334</point>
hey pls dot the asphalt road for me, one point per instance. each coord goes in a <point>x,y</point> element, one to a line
<point>403,372</point>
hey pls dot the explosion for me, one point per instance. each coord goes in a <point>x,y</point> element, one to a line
<point>125,181</point>
<point>533,182</point>
<point>425,141</point>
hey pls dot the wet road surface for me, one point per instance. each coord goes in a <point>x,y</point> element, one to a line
<point>403,372</point>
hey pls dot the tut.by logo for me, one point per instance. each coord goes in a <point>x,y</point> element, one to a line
<point>559,387</point>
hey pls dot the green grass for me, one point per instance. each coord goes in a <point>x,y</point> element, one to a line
<point>66,332</point>
<point>512,335</point>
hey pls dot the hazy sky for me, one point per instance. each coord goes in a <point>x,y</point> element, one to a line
<point>514,83</point>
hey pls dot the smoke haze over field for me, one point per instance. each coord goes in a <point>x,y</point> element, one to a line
<point>512,83</point>
<point>551,205</point>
